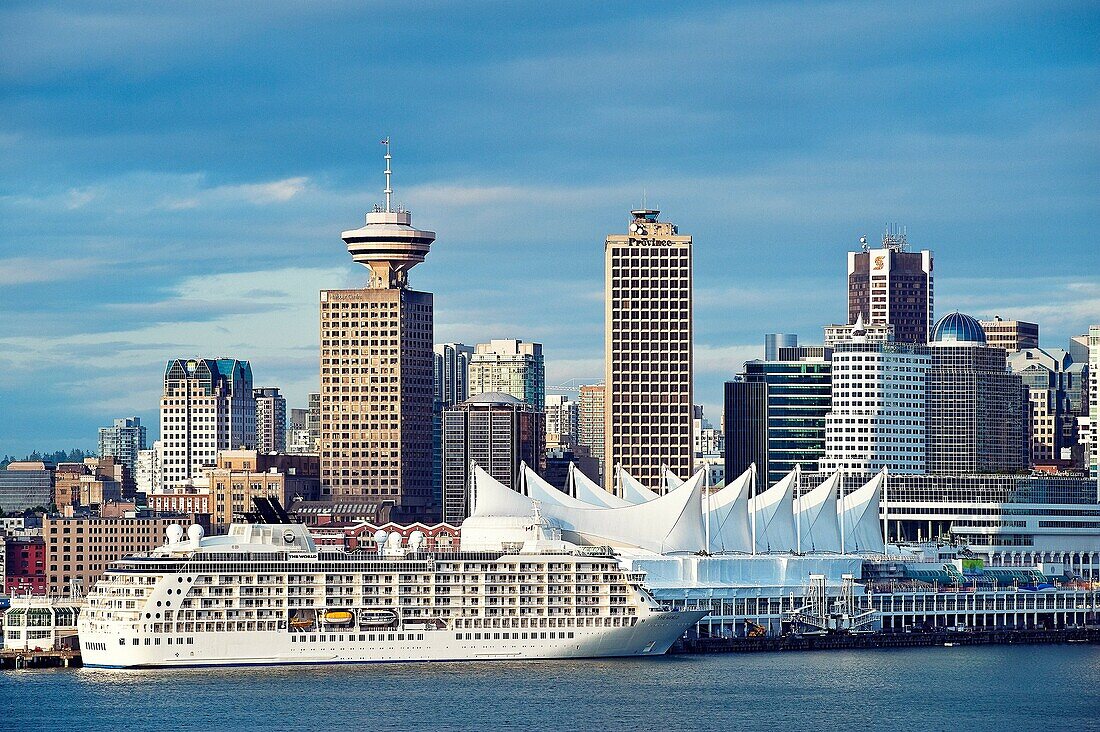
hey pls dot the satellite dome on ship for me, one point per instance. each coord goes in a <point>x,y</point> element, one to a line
<point>957,328</point>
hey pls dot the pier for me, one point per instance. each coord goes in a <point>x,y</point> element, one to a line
<point>18,658</point>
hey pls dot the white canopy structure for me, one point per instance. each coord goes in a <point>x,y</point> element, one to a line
<point>818,524</point>
<point>860,524</point>
<point>630,488</point>
<point>727,512</point>
<point>668,524</point>
<point>589,491</point>
<point>538,489</point>
<point>672,481</point>
<point>772,514</point>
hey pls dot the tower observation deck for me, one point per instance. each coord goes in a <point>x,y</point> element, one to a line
<point>388,243</point>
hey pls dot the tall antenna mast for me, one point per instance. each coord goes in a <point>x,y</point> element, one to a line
<point>388,191</point>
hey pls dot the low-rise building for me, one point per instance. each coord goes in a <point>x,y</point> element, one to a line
<point>24,565</point>
<point>242,474</point>
<point>26,484</point>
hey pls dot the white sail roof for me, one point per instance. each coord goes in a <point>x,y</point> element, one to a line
<point>539,490</point>
<point>589,491</point>
<point>774,509</point>
<point>670,523</point>
<point>672,481</point>
<point>859,517</point>
<point>727,511</point>
<point>818,525</point>
<point>631,488</point>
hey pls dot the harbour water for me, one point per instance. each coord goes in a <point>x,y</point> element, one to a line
<point>1005,688</point>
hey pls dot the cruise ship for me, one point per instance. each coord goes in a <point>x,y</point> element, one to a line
<point>265,594</point>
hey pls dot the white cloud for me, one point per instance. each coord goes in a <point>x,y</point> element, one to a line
<point>28,270</point>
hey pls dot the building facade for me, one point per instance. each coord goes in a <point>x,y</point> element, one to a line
<point>1054,392</point>
<point>976,408</point>
<point>509,366</point>
<point>590,422</point>
<point>270,419</point>
<point>1011,335</point>
<point>648,350</point>
<point>745,422</point>
<point>451,372</point>
<point>376,370</point>
<point>496,432</point>
<point>241,475</point>
<point>24,565</point>
<point>207,406</point>
<point>774,341</point>
<point>877,418</point>
<point>123,441</point>
<point>147,470</point>
<point>892,286</point>
<point>26,484</point>
<point>562,422</point>
<point>1093,458</point>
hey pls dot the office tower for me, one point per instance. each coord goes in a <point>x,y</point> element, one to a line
<point>26,484</point>
<point>774,341</point>
<point>1054,385</point>
<point>708,448</point>
<point>1093,458</point>
<point>207,406</point>
<point>376,370</point>
<point>270,419</point>
<point>297,432</point>
<point>648,350</point>
<point>836,333</point>
<point>122,441</point>
<point>892,286</point>
<point>590,422</point>
<point>451,372</point>
<point>562,422</point>
<point>147,470</point>
<point>780,424</point>
<point>313,422</point>
<point>495,431</point>
<point>877,416</point>
<point>1011,335</point>
<point>976,408</point>
<point>509,366</point>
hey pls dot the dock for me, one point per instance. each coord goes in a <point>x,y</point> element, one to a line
<point>17,658</point>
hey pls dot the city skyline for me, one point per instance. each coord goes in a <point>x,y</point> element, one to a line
<point>156,253</point>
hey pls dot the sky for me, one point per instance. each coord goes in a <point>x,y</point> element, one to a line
<point>174,177</point>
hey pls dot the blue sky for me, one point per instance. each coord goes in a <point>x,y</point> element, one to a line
<point>174,177</point>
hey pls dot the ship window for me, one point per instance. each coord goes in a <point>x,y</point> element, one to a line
<point>458,636</point>
<point>389,636</point>
<point>313,639</point>
<point>477,636</point>
<point>523,636</point>
<point>362,637</point>
<point>570,635</point>
<point>135,642</point>
<point>420,636</point>
<point>190,641</point>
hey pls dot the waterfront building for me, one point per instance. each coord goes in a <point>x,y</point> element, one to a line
<point>1011,335</point>
<point>562,422</point>
<point>241,475</point>
<point>376,370</point>
<point>779,424</point>
<point>1054,389</point>
<point>208,405</point>
<point>774,341</point>
<point>976,408</point>
<point>270,419</point>
<point>35,622</point>
<point>25,484</point>
<point>590,423</point>
<point>123,441</point>
<point>495,431</point>
<point>24,565</point>
<point>147,470</point>
<point>509,366</point>
<point>877,415</point>
<point>79,549</point>
<point>648,350</point>
<point>892,286</point>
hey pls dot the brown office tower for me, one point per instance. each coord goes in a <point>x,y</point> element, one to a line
<point>376,371</point>
<point>648,351</point>
<point>892,286</point>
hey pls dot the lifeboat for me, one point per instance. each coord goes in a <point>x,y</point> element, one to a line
<point>338,617</point>
<point>301,623</point>
<point>377,618</point>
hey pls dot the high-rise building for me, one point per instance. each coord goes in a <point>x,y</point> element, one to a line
<point>313,422</point>
<point>147,470</point>
<point>207,406</point>
<point>878,412</point>
<point>1049,377</point>
<point>509,366</point>
<point>451,372</point>
<point>496,432</point>
<point>270,419</point>
<point>708,448</point>
<point>774,341</point>
<point>648,350</point>
<point>892,286</point>
<point>376,370</point>
<point>562,422</point>
<point>783,424</point>
<point>1011,335</point>
<point>122,441</point>
<point>1093,459</point>
<point>297,432</point>
<point>976,408</point>
<point>590,422</point>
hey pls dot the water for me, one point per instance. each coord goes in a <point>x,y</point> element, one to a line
<point>1004,688</point>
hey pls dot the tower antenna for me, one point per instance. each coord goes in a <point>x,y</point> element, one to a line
<point>388,191</point>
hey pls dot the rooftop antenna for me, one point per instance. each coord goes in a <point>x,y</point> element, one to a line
<point>388,191</point>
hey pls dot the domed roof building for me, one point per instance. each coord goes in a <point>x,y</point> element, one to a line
<point>957,329</point>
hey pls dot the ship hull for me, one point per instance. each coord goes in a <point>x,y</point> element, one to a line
<point>650,636</point>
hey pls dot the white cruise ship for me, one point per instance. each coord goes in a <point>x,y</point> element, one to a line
<point>265,594</point>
